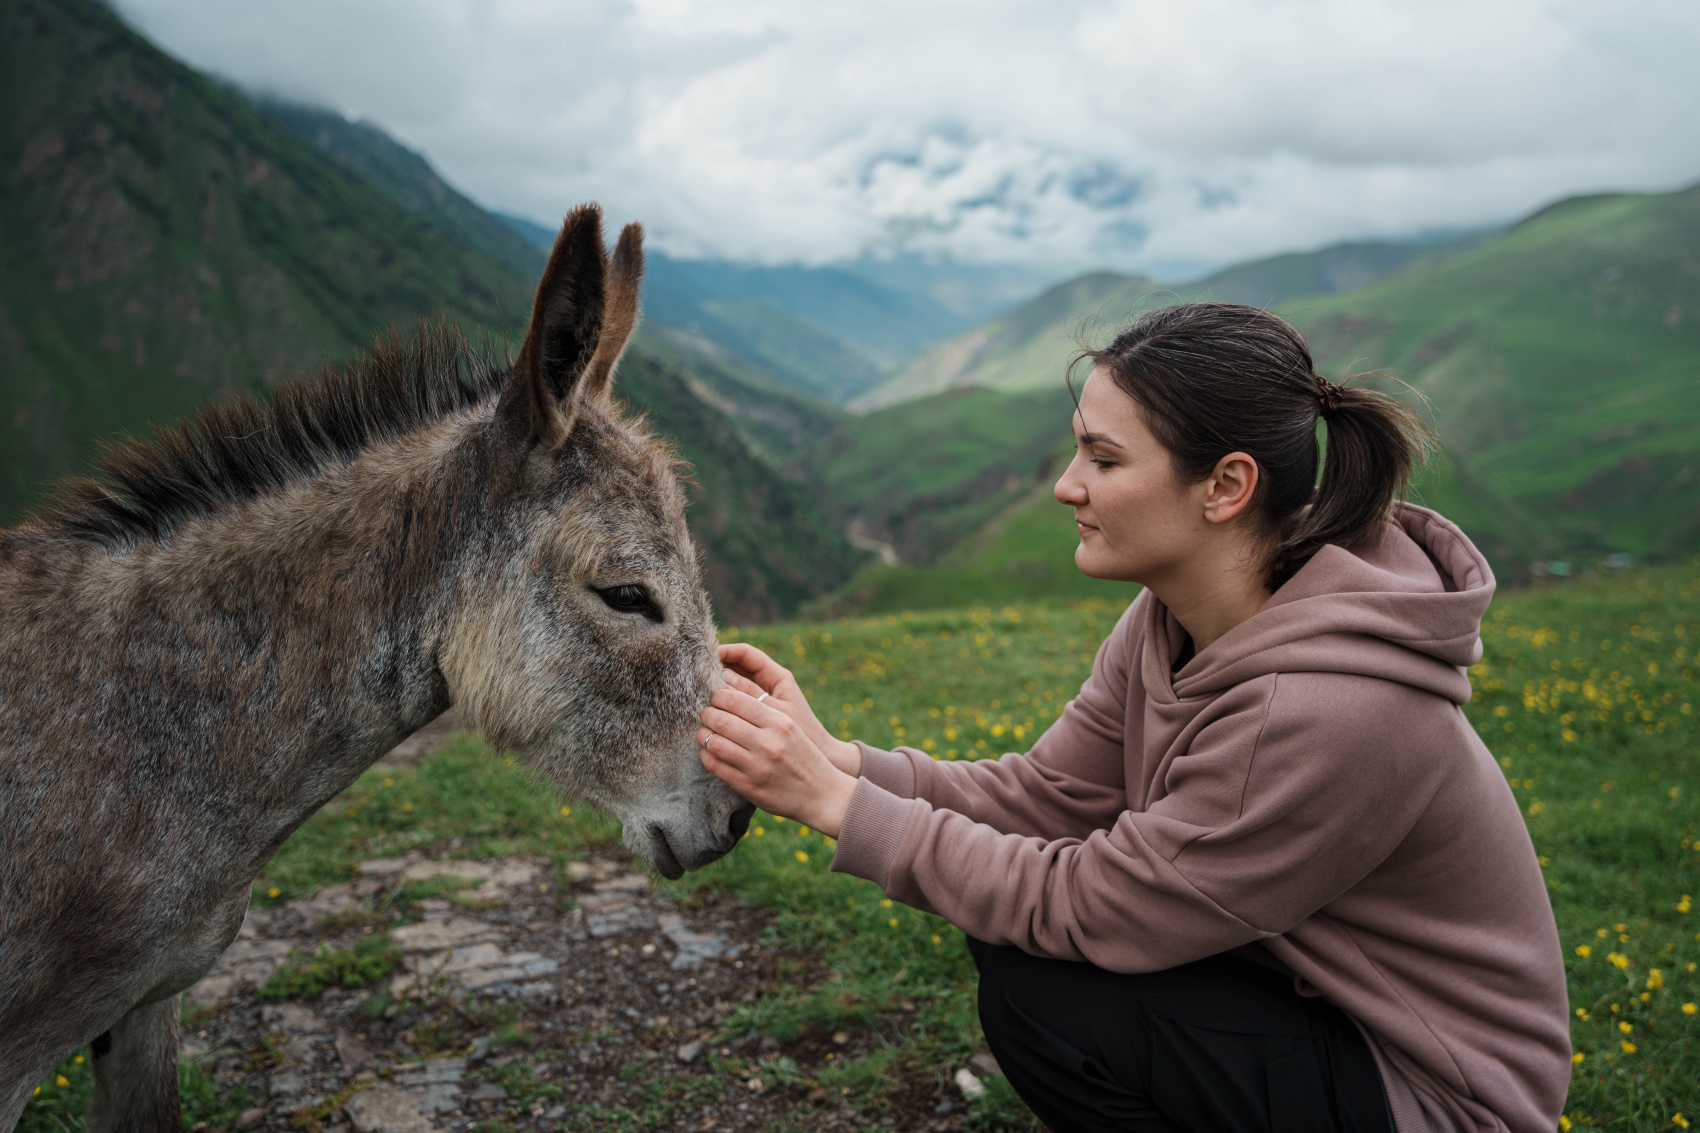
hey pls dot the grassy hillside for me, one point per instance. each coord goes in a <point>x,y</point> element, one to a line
<point>1586,695</point>
<point>1562,363</point>
<point>164,242</point>
<point>925,475</point>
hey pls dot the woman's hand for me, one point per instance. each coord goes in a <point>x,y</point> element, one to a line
<point>751,671</point>
<point>765,755</point>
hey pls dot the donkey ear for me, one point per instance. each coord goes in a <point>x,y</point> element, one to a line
<point>539,401</point>
<point>621,314</point>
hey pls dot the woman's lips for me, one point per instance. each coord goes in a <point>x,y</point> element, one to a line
<point>1084,529</point>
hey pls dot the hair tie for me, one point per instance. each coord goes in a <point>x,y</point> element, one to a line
<point>1328,395</point>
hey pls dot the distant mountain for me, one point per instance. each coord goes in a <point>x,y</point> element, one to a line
<point>164,242</point>
<point>1027,348</point>
<point>831,332</point>
<point>1341,267</point>
<point>1561,361</point>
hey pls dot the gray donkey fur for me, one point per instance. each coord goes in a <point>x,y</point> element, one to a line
<point>203,648</point>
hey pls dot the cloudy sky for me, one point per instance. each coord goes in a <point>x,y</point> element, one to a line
<point>1143,134</point>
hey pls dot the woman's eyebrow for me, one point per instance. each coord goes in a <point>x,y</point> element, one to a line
<point>1097,439</point>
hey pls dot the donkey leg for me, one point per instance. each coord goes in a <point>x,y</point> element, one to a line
<point>135,1079</point>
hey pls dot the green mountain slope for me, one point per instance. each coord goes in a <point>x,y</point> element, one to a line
<point>163,242</point>
<point>1562,364</point>
<point>1342,267</point>
<point>927,474</point>
<point>409,180</point>
<point>1029,347</point>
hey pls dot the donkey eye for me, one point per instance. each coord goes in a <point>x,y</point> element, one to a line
<point>631,600</point>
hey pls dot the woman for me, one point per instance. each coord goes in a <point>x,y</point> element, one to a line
<point>1261,874</point>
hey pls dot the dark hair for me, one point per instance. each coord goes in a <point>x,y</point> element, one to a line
<point>1215,378</point>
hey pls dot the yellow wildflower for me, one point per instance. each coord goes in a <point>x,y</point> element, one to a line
<point>1564,1123</point>
<point>1584,951</point>
<point>1626,1028</point>
<point>1628,1047</point>
<point>1679,1121</point>
<point>1619,960</point>
<point>761,832</point>
<point>273,891</point>
<point>78,1060</point>
<point>1685,904</point>
<point>885,903</point>
<point>1577,1058</point>
<point>407,808</point>
<point>566,811</point>
<point>801,856</point>
<point>61,1080</point>
<point>802,831</point>
<point>1655,979</point>
<point>937,939</point>
<point>892,922</point>
<point>1690,1008</point>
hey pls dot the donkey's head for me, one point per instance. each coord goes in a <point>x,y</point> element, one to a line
<point>589,644</point>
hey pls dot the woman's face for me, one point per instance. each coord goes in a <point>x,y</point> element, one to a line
<point>1137,522</point>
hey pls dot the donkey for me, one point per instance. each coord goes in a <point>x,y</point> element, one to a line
<point>203,648</point>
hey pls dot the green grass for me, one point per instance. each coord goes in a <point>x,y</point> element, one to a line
<point>1586,694</point>
<point>370,959</point>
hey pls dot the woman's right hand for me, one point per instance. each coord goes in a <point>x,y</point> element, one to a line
<point>751,671</point>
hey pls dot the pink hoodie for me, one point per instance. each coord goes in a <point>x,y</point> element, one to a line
<point>1307,784</point>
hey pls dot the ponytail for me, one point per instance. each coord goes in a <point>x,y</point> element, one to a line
<point>1215,378</point>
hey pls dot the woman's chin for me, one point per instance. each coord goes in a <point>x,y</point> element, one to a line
<point>1093,565</point>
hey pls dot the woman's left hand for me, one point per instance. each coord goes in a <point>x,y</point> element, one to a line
<point>764,755</point>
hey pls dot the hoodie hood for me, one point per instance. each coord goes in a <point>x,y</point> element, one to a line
<point>1406,606</point>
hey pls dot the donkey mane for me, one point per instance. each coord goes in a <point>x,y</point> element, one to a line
<point>246,447</point>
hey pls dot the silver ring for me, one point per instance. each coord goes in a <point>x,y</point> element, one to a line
<point>761,698</point>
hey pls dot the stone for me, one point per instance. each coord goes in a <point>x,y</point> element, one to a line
<point>689,1052</point>
<point>431,1072</point>
<point>351,1052</point>
<point>625,883</point>
<point>695,947</point>
<point>612,914</point>
<point>970,1086</point>
<point>983,1064</point>
<point>489,1092</point>
<point>211,991</point>
<point>432,936</point>
<point>295,1018</point>
<point>839,1038</point>
<point>251,1118</point>
<point>387,1109</point>
<point>287,1084</point>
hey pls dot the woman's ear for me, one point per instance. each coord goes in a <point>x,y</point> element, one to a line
<point>1229,488</point>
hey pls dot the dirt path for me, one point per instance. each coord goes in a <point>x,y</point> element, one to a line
<point>506,1009</point>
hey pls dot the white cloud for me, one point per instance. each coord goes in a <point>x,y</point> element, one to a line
<point>1131,133</point>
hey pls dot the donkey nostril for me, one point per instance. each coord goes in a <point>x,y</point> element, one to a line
<point>741,820</point>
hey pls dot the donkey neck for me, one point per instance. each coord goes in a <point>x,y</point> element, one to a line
<point>293,637</point>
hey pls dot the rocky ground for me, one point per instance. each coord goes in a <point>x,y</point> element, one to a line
<point>523,999</point>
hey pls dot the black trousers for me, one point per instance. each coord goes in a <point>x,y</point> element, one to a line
<point>1220,1045</point>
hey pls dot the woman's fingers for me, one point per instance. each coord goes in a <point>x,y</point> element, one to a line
<point>742,683</point>
<point>748,707</point>
<point>754,664</point>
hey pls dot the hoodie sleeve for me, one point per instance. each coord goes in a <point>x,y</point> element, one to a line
<point>1283,800</point>
<point>1068,784</point>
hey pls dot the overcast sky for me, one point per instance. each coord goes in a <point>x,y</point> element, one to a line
<point>1161,135</point>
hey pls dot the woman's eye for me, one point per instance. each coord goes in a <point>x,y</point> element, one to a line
<point>631,600</point>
